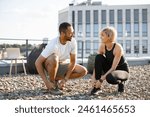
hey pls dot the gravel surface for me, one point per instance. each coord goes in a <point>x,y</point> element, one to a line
<point>31,87</point>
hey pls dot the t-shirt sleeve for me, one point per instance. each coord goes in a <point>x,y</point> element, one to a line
<point>49,49</point>
<point>74,47</point>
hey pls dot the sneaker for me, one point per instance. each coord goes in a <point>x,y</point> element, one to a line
<point>120,87</point>
<point>56,91</point>
<point>94,90</point>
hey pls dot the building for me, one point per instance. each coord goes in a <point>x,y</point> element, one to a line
<point>131,21</point>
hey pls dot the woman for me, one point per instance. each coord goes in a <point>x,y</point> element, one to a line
<point>110,64</point>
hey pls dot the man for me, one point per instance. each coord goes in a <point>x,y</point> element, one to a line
<point>53,60</point>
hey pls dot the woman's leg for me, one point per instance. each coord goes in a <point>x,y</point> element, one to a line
<point>101,66</point>
<point>118,77</point>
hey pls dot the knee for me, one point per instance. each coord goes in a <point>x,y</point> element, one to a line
<point>84,71</point>
<point>111,80</point>
<point>99,57</point>
<point>53,60</point>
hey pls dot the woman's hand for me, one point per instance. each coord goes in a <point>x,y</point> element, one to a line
<point>93,81</point>
<point>103,77</point>
<point>98,84</point>
<point>100,81</point>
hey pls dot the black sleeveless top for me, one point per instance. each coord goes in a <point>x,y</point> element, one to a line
<point>110,57</point>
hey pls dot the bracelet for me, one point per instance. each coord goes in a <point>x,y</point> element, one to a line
<point>100,80</point>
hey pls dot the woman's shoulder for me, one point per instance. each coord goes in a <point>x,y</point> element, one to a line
<point>119,47</point>
<point>102,48</point>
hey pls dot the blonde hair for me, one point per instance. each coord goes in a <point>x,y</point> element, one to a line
<point>110,32</point>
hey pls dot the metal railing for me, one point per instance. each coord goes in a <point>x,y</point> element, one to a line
<point>27,45</point>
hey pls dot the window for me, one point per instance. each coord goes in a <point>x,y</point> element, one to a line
<point>119,16</point>
<point>136,46</point>
<point>95,26</point>
<point>88,46</point>
<point>80,44</point>
<point>128,46</point>
<point>95,16</point>
<point>80,33</point>
<point>120,30</point>
<point>119,26</point>
<point>95,46</point>
<point>136,29</point>
<point>120,42</point>
<point>96,30</point>
<point>144,23</point>
<point>103,18</point>
<point>144,29</point>
<point>88,30</point>
<point>128,16</point>
<point>136,22</point>
<point>128,22</point>
<point>111,17</point>
<point>88,27</point>
<point>144,46</point>
<point>128,29</point>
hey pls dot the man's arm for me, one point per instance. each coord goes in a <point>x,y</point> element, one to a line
<point>71,66</point>
<point>39,66</point>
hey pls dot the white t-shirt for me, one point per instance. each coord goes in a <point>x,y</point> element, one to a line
<point>63,51</point>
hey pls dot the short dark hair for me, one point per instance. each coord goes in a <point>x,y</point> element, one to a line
<point>63,27</point>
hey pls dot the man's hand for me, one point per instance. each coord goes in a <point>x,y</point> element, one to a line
<point>50,85</point>
<point>61,83</point>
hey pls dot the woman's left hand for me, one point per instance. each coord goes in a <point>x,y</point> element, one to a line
<point>103,77</point>
<point>98,84</point>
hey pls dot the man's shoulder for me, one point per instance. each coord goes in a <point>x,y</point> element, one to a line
<point>73,40</point>
<point>53,40</point>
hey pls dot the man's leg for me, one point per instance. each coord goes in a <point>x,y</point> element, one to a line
<point>51,65</point>
<point>79,71</point>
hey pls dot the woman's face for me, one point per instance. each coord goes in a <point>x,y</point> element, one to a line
<point>104,37</point>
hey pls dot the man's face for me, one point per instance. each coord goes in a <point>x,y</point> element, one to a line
<point>69,33</point>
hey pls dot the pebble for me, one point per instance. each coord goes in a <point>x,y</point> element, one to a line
<point>31,87</point>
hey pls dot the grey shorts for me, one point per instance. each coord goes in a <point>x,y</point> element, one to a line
<point>62,69</point>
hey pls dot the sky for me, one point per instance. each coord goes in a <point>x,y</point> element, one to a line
<point>38,19</point>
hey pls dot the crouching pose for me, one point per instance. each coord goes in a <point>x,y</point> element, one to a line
<point>110,63</point>
<point>53,60</point>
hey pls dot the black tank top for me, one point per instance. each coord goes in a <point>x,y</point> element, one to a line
<point>110,57</point>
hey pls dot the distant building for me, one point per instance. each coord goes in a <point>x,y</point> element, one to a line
<point>131,21</point>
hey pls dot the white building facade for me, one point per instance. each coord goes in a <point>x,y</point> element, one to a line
<point>132,23</point>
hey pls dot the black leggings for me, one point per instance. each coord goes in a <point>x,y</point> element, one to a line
<point>102,66</point>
